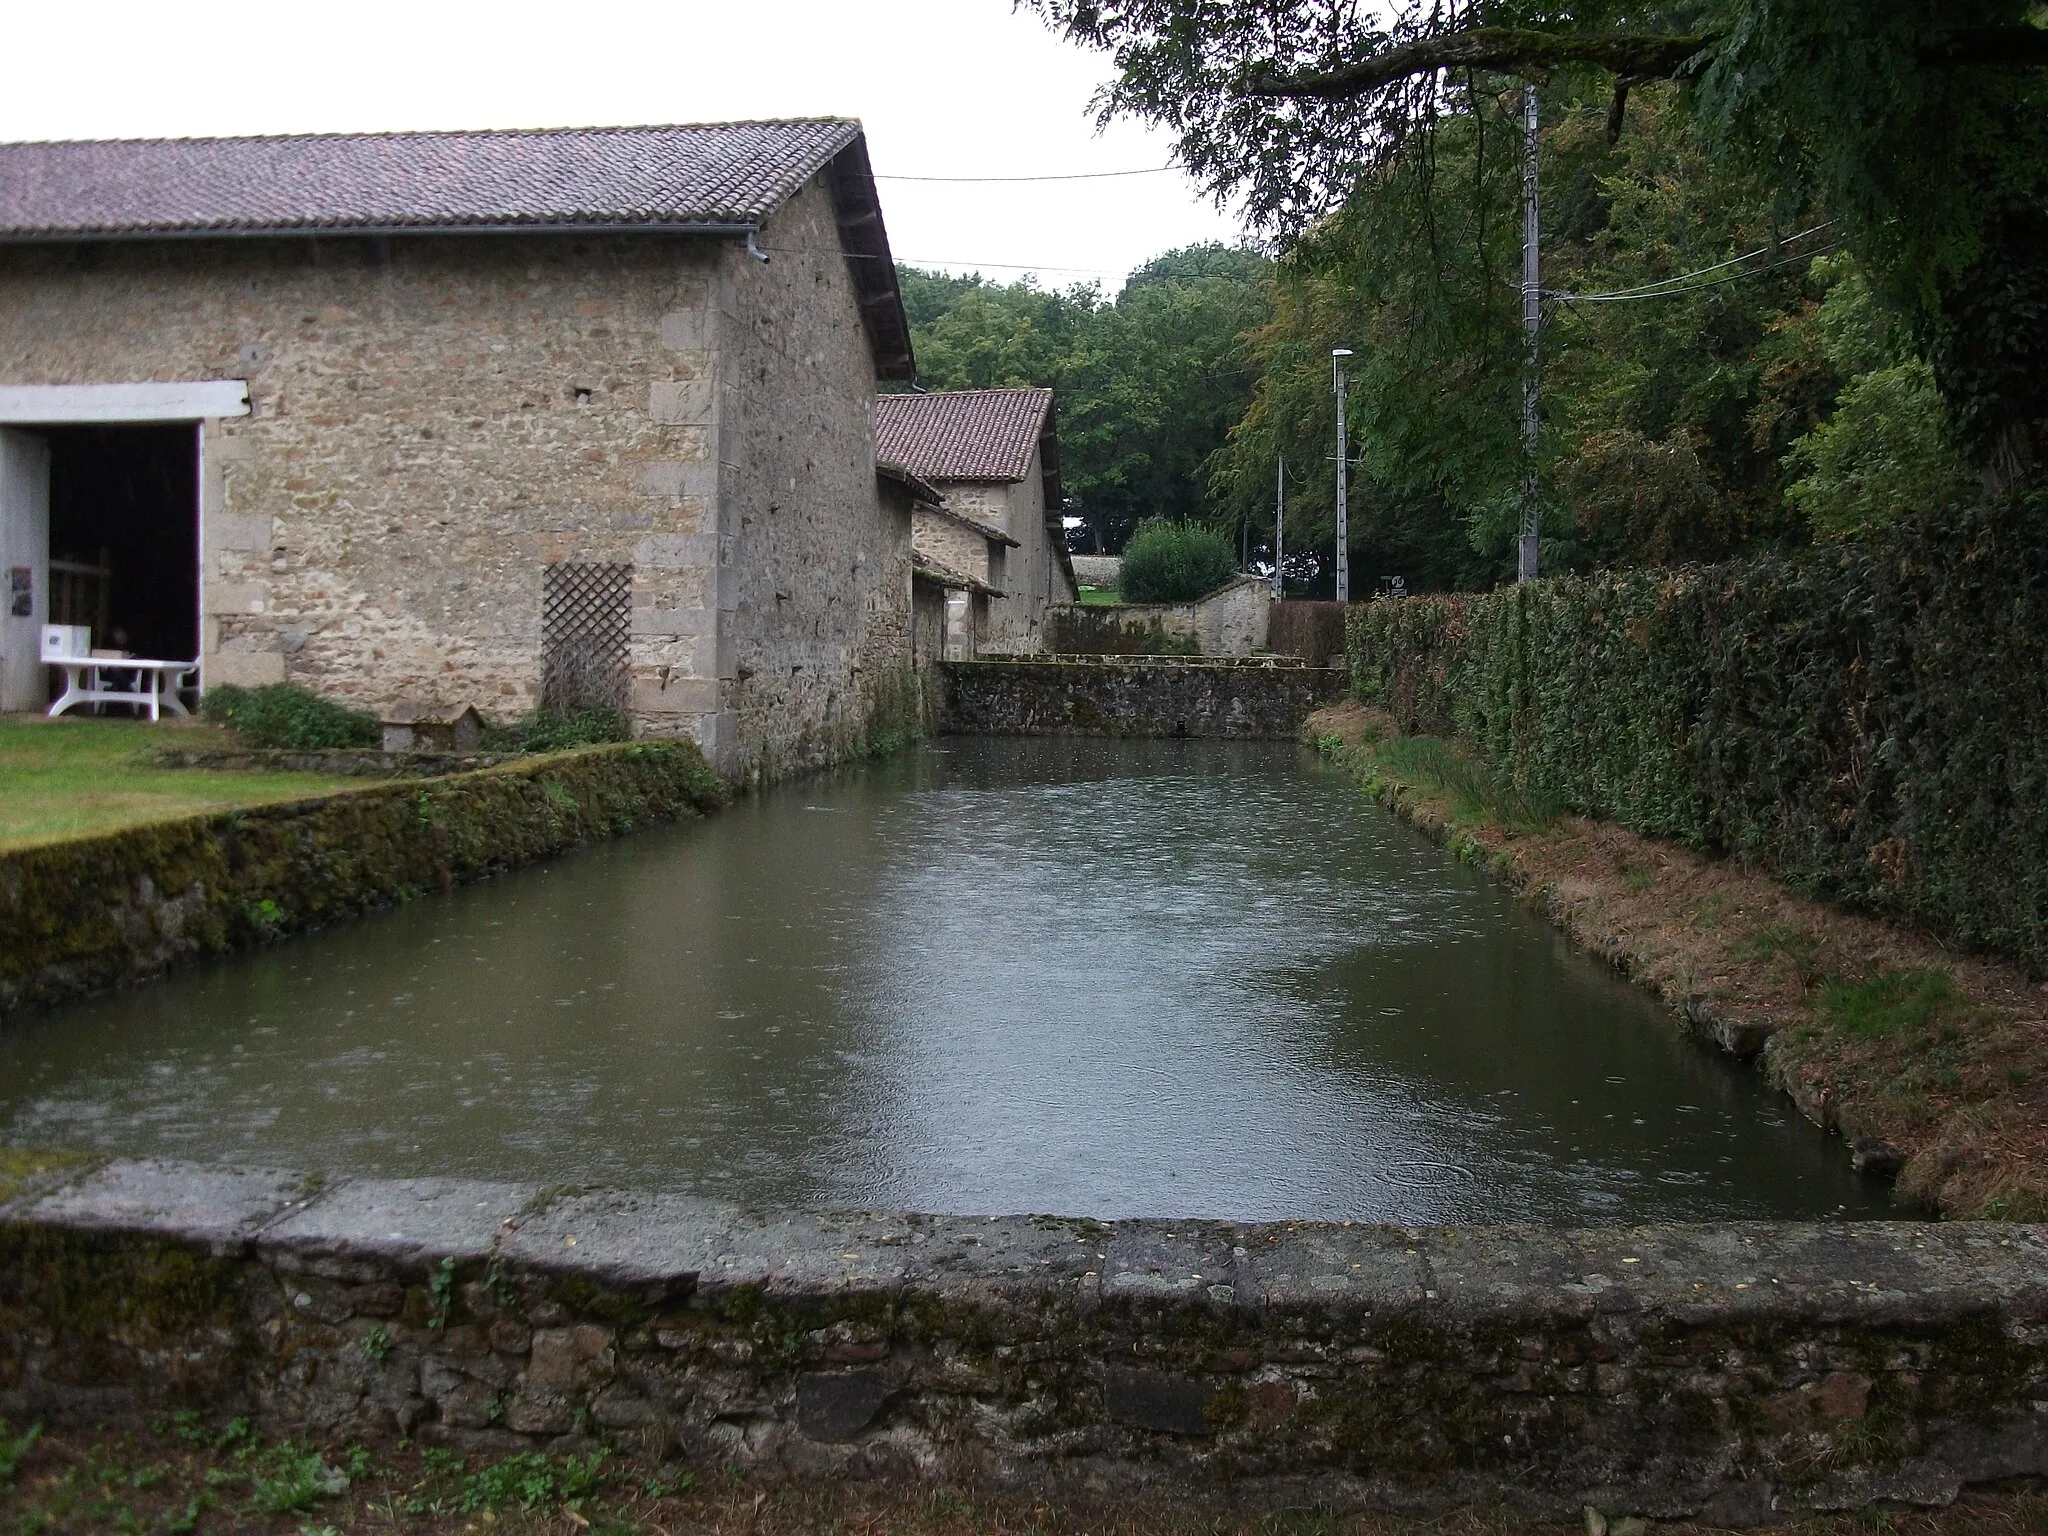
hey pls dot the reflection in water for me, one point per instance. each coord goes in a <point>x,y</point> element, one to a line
<point>1101,978</point>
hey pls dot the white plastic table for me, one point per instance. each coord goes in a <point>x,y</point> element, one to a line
<point>99,680</point>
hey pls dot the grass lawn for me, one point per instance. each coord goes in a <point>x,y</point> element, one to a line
<point>1097,597</point>
<point>61,778</point>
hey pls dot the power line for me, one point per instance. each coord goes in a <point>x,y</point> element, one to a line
<point>1682,283</point>
<point>1007,266</point>
<point>1150,170</point>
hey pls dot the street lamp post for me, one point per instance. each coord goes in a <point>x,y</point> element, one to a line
<point>1339,384</point>
<point>1280,531</point>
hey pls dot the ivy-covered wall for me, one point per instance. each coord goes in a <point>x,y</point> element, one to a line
<point>90,913</point>
<point>1867,723</point>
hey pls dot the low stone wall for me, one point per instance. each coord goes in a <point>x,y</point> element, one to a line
<point>1098,570</point>
<point>89,913</point>
<point>1231,621</point>
<point>1263,696</point>
<point>1729,1373</point>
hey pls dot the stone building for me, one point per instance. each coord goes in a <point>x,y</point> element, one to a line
<point>994,455</point>
<point>493,418</point>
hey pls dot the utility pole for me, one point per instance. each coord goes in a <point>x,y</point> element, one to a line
<point>1532,331</point>
<point>1340,385</point>
<point>1280,532</point>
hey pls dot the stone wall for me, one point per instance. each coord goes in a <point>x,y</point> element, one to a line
<point>90,913</point>
<point>1231,621</point>
<point>434,420</point>
<point>1031,577</point>
<point>1264,697</point>
<point>1733,1374</point>
<point>959,548</point>
<point>1098,570</point>
<point>811,563</point>
<point>431,422</point>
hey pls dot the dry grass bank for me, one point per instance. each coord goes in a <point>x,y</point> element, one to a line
<point>1930,1061</point>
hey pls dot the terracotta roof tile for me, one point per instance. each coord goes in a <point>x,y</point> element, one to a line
<point>698,174</point>
<point>972,434</point>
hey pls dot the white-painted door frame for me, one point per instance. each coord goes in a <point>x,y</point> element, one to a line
<point>24,546</point>
<point>192,403</point>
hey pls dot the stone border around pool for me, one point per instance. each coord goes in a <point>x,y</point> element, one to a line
<point>1731,1373</point>
<point>90,913</point>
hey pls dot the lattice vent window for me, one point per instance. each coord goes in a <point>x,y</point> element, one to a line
<point>586,621</point>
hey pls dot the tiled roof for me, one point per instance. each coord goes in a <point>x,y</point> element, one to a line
<point>922,564</point>
<point>972,434</point>
<point>701,174</point>
<point>921,491</point>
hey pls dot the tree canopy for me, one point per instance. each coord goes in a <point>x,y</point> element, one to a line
<point>1149,383</point>
<point>1918,124</point>
<point>1774,400</point>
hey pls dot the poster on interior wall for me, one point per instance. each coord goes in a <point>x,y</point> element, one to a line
<point>21,591</point>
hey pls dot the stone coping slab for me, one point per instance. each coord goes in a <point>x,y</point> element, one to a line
<point>1827,1269</point>
<point>1731,1372</point>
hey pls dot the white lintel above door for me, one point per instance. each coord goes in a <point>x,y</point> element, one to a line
<point>58,405</point>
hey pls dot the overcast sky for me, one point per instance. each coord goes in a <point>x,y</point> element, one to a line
<point>947,88</point>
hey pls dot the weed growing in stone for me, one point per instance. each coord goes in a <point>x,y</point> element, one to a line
<point>441,1291</point>
<point>377,1344</point>
<point>291,1481</point>
<point>14,1447</point>
<point>533,1481</point>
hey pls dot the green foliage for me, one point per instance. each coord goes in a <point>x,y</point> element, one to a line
<point>1889,1003</point>
<point>441,1293</point>
<point>1918,124</point>
<point>1148,384</point>
<point>546,730</point>
<point>532,1481</point>
<point>1888,450</point>
<point>291,1481</point>
<point>281,716</point>
<point>1472,791</point>
<point>15,1448</point>
<point>1862,721</point>
<point>1666,422</point>
<point>1883,455</point>
<point>1168,562</point>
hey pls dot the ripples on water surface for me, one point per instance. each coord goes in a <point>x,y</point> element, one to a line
<point>1091,977</point>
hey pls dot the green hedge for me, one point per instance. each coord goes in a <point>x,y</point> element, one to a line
<point>95,912</point>
<point>1868,723</point>
<point>1167,562</point>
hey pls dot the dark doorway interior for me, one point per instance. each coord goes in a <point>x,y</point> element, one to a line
<point>124,536</point>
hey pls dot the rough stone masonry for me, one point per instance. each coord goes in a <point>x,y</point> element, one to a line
<point>437,418</point>
<point>1732,1373</point>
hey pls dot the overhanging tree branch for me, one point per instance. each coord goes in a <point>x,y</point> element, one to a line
<point>1508,49</point>
<point>1515,50</point>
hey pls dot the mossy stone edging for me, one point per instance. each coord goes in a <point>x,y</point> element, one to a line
<point>89,913</point>
<point>1731,1373</point>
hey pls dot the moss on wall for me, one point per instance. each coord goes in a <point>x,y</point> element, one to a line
<point>91,913</point>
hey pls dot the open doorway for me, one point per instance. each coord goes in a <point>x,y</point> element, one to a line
<point>124,536</point>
